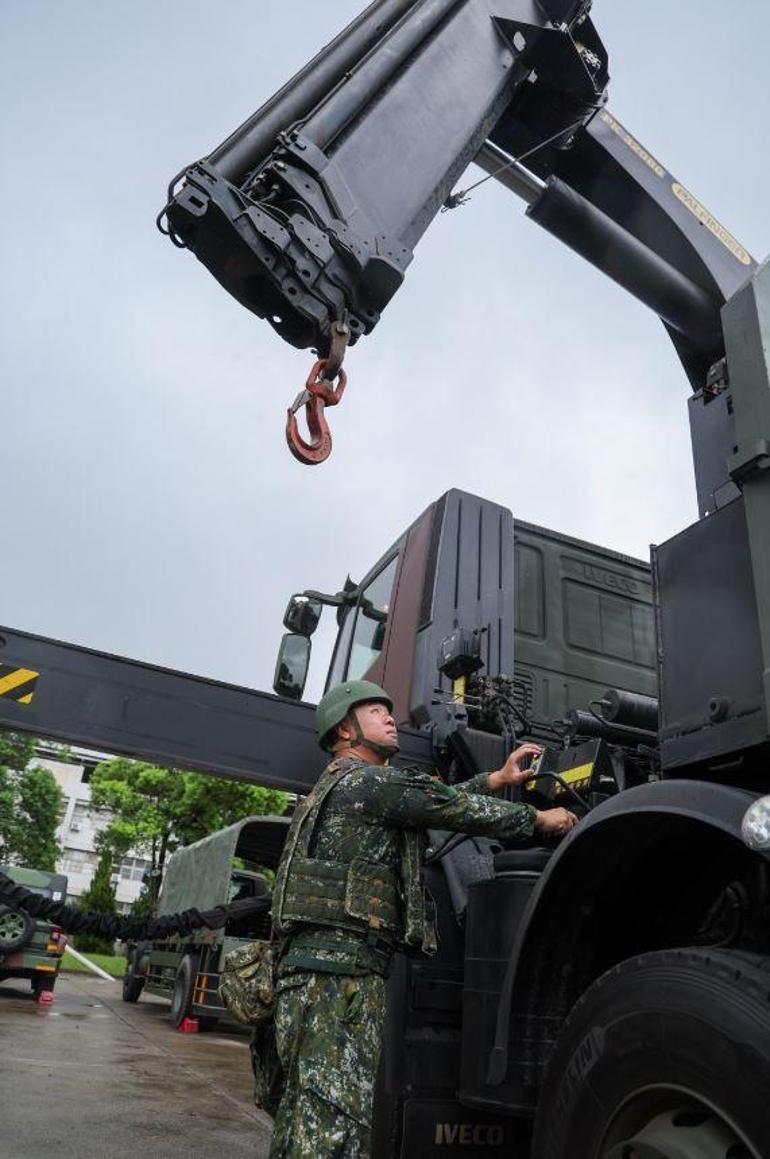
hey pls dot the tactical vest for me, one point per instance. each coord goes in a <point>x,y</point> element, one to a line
<point>361,897</point>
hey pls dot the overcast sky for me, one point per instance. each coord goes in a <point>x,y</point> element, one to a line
<point>149,506</point>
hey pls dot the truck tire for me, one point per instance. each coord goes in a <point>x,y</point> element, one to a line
<point>133,983</point>
<point>666,1054</point>
<point>181,996</point>
<point>16,929</point>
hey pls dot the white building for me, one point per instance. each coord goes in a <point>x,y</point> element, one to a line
<point>80,824</point>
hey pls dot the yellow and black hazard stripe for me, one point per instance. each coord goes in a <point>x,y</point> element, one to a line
<point>17,683</point>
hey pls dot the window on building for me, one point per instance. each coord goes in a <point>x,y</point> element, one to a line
<point>76,861</point>
<point>133,868</point>
<point>81,815</point>
<point>85,814</point>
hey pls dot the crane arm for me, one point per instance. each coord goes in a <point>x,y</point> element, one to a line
<point>310,212</point>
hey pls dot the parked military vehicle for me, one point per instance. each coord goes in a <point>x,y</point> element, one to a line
<point>206,874</point>
<point>31,948</point>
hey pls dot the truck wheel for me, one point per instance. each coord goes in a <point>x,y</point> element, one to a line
<point>133,983</point>
<point>667,1054</point>
<point>183,989</point>
<point>16,929</point>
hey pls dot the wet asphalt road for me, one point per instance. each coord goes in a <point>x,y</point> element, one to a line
<point>92,1076</point>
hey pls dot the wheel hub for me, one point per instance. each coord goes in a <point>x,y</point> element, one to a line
<point>11,927</point>
<point>682,1133</point>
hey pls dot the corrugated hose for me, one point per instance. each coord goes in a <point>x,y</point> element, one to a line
<point>75,921</point>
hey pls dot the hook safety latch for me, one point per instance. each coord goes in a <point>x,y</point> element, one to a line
<point>317,395</point>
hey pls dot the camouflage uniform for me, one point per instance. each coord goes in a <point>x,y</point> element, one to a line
<point>348,894</point>
<point>328,1031</point>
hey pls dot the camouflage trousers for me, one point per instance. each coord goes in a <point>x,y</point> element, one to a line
<point>329,1032</point>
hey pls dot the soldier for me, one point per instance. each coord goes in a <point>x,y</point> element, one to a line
<point>348,894</point>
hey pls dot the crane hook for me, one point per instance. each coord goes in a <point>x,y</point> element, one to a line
<point>318,394</point>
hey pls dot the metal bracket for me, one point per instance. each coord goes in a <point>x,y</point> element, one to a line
<point>749,460</point>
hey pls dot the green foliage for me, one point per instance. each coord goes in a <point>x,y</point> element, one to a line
<point>99,898</point>
<point>30,802</point>
<point>156,810</point>
<point>142,906</point>
<point>39,800</point>
<point>17,749</point>
<point>7,813</point>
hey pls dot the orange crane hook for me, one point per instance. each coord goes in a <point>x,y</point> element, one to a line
<point>317,395</point>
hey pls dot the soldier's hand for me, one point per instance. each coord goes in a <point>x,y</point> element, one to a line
<point>554,822</point>
<point>516,769</point>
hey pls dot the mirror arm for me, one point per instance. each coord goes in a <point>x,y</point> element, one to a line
<point>333,601</point>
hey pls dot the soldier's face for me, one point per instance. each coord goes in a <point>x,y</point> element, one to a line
<point>376,724</point>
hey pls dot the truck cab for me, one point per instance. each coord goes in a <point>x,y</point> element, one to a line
<point>563,620</point>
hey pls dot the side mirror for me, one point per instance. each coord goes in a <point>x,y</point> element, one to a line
<point>302,615</point>
<point>292,665</point>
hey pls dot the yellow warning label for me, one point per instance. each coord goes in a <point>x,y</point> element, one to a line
<point>576,776</point>
<point>17,683</point>
<point>579,775</point>
<point>711,224</point>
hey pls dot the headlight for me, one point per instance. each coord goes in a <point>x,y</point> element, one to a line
<point>755,827</point>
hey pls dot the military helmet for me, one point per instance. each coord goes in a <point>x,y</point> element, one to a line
<point>338,701</point>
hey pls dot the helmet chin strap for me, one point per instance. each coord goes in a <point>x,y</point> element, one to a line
<point>386,750</point>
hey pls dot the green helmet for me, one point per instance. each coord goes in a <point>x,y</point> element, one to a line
<point>338,701</point>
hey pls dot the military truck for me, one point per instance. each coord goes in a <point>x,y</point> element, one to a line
<point>206,874</point>
<point>31,948</point>
<point>613,990</point>
<point>487,630</point>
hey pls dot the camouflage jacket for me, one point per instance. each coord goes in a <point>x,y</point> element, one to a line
<point>376,816</point>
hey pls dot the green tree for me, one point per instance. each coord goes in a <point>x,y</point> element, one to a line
<point>99,898</point>
<point>39,802</point>
<point>7,813</point>
<point>156,810</point>
<point>30,803</point>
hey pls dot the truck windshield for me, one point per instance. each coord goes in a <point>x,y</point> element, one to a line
<point>362,634</point>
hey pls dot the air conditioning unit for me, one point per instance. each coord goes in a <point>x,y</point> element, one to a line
<point>75,826</point>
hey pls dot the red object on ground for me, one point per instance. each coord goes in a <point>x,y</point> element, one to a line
<point>45,997</point>
<point>189,1026</point>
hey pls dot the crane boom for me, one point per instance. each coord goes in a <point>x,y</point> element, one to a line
<point>309,214</point>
